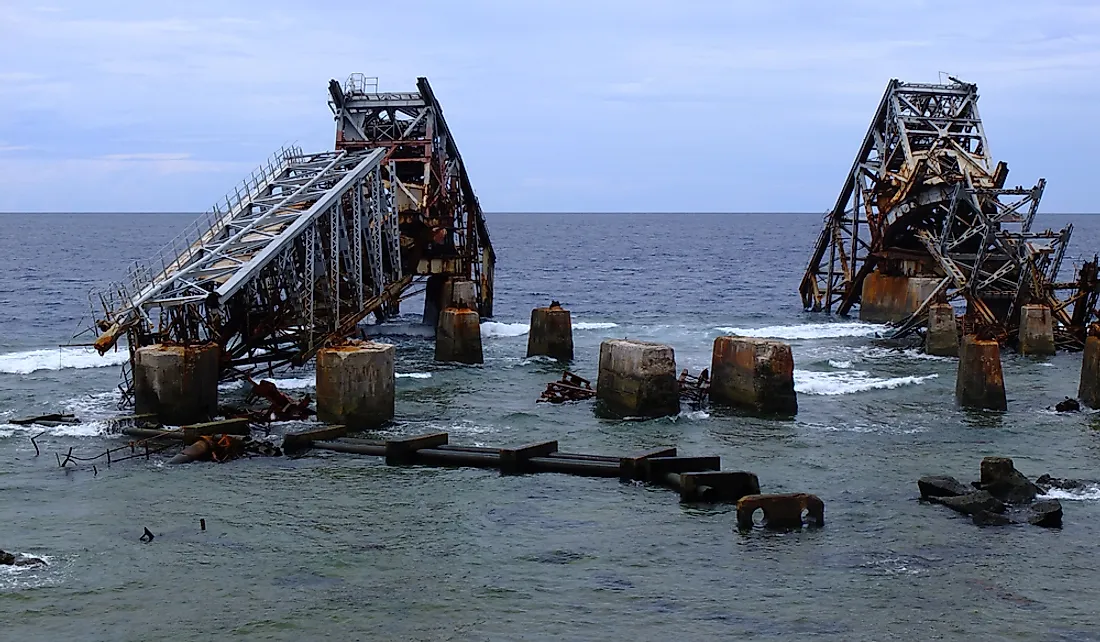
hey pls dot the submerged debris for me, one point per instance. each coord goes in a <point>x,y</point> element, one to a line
<point>19,559</point>
<point>1002,497</point>
<point>49,421</point>
<point>571,387</point>
<point>695,389</point>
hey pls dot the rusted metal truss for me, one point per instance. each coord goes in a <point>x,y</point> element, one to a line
<point>305,249</point>
<point>924,198</point>
<point>443,230</point>
<point>571,387</point>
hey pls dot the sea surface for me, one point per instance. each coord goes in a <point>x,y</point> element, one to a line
<point>340,547</point>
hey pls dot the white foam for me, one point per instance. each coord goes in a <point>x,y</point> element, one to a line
<point>1091,492</point>
<point>594,325</point>
<point>848,382</point>
<point>694,415</point>
<point>413,375</point>
<point>85,429</point>
<point>538,358</point>
<point>876,352</point>
<point>497,329</point>
<point>840,364</point>
<point>59,359</point>
<point>294,383</point>
<point>810,331</point>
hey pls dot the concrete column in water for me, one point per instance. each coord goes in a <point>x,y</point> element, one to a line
<point>458,336</point>
<point>178,383</point>
<point>1036,330</point>
<point>638,379</point>
<point>888,299</point>
<point>551,333</point>
<point>1089,390</point>
<point>753,373</point>
<point>980,382</point>
<point>355,384</point>
<point>442,292</point>
<point>942,339</point>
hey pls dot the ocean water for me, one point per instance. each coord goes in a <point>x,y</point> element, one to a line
<point>342,547</point>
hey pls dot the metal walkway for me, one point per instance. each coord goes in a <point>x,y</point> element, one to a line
<point>306,248</point>
<point>924,198</point>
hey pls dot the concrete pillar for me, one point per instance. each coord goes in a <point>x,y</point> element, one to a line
<point>355,384</point>
<point>942,339</point>
<point>442,292</point>
<point>1036,330</point>
<point>980,382</point>
<point>1089,390</point>
<point>889,299</point>
<point>458,336</point>
<point>178,383</point>
<point>638,379</point>
<point>551,333</point>
<point>433,299</point>
<point>753,373</point>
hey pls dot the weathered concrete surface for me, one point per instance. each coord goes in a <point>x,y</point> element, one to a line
<point>551,333</point>
<point>355,385</point>
<point>888,299</point>
<point>753,373</point>
<point>458,336</point>
<point>1036,330</point>
<point>1088,391</point>
<point>980,382</point>
<point>942,339</point>
<point>638,378</point>
<point>443,292</point>
<point>177,383</point>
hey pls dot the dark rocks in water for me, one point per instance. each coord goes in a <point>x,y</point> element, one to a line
<point>986,518</point>
<point>1068,405</point>
<point>1047,513</point>
<point>18,559</point>
<point>1003,481</point>
<point>1046,482</point>
<point>942,486</point>
<point>977,502</point>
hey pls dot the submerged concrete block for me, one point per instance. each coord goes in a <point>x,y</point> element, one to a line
<point>355,384</point>
<point>781,511</point>
<point>177,383</point>
<point>458,336</point>
<point>980,382</point>
<point>1036,330</point>
<point>638,378</point>
<point>942,339</point>
<point>551,333</point>
<point>753,373</point>
<point>1088,390</point>
<point>888,299</point>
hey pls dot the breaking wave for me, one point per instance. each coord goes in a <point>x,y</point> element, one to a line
<point>810,331</point>
<point>413,375</point>
<point>849,382</point>
<point>59,359</point>
<point>1090,492</point>
<point>594,325</point>
<point>497,329</point>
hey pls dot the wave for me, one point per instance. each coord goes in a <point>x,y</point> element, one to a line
<point>85,429</point>
<point>1089,492</point>
<point>840,364</point>
<point>594,325</point>
<point>497,329</point>
<point>810,331</point>
<point>30,361</point>
<point>413,375</point>
<point>849,382</point>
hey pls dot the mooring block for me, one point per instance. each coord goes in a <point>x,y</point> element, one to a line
<point>551,333</point>
<point>722,486</point>
<point>753,373</point>
<point>355,384</point>
<point>177,383</point>
<point>513,460</point>
<point>631,469</point>
<point>942,339</point>
<point>403,451</point>
<point>781,511</point>
<point>638,379</point>
<point>980,382</point>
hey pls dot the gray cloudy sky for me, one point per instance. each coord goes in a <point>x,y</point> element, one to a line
<point>600,105</point>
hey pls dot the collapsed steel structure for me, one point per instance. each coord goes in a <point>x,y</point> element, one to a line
<point>924,198</point>
<point>311,244</point>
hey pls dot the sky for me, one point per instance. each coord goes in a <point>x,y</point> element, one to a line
<point>557,105</point>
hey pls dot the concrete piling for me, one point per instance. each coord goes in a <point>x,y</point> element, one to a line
<point>888,299</point>
<point>551,333</point>
<point>177,383</point>
<point>1036,330</point>
<point>442,292</point>
<point>980,382</point>
<point>355,384</point>
<point>753,373</point>
<point>1089,389</point>
<point>458,336</point>
<point>638,379</point>
<point>942,339</point>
